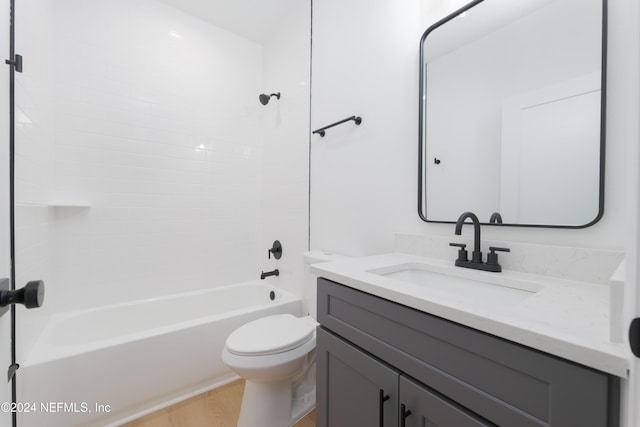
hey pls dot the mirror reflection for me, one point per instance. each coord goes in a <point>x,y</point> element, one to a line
<point>511,113</point>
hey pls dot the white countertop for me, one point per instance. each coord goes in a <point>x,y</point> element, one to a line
<point>568,319</point>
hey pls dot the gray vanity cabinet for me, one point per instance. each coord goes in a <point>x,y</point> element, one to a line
<point>359,390</point>
<point>446,374</point>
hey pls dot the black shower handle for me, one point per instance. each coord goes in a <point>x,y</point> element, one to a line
<point>276,250</point>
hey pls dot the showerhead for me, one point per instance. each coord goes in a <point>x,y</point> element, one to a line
<point>264,99</point>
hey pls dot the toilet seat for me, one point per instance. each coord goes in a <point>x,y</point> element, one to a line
<point>270,335</point>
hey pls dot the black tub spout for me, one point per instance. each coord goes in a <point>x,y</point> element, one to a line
<point>269,273</point>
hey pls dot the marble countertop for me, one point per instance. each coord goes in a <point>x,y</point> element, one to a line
<point>566,318</point>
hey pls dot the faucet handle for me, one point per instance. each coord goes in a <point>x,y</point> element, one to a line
<point>492,257</point>
<point>276,250</point>
<point>462,252</point>
<point>493,249</point>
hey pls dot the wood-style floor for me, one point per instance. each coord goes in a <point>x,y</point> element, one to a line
<point>215,408</point>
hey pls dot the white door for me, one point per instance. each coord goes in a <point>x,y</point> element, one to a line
<point>544,131</point>
<point>5,262</point>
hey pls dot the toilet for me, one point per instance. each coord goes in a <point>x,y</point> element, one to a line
<point>276,356</point>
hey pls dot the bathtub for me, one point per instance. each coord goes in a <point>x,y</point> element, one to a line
<point>112,364</point>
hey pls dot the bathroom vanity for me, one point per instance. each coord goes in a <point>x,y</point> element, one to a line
<point>387,360</point>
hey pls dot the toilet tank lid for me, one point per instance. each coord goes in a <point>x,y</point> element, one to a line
<point>313,257</point>
<point>270,335</point>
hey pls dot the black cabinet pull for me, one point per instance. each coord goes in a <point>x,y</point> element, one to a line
<point>383,398</point>
<point>404,413</point>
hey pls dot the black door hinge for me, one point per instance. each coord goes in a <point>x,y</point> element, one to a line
<point>12,371</point>
<point>634,336</point>
<point>16,63</point>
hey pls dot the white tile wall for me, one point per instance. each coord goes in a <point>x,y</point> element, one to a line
<point>158,128</point>
<point>151,116</point>
<point>34,141</point>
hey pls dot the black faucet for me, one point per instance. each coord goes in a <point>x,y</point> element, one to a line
<point>476,256</point>
<point>269,273</point>
<point>496,218</point>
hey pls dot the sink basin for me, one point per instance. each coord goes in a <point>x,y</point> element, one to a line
<point>501,292</point>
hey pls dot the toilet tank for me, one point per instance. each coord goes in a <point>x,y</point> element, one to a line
<point>309,304</point>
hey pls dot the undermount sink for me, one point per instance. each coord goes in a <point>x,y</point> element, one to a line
<point>501,291</point>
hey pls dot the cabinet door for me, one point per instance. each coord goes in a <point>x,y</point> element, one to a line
<point>353,388</point>
<point>420,407</point>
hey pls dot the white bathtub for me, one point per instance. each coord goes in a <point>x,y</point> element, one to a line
<point>111,364</point>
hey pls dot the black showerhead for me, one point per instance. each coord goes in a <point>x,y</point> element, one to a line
<point>264,99</point>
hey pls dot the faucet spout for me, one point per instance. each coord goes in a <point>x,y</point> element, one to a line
<point>495,218</point>
<point>266,274</point>
<point>476,256</point>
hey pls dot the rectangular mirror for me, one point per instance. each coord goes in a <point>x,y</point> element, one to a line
<point>512,107</point>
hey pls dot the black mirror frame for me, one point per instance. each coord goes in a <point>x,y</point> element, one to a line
<point>421,124</point>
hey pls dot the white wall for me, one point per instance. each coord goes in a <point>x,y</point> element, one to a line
<point>364,180</point>
<point>285,180</point>
<point>629,30</point>
<point>34,89</point>
<point>162,136</point>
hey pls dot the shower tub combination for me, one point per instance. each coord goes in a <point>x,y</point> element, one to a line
<point>112,364</point>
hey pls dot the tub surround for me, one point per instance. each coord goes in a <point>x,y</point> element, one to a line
<point>562,317</point>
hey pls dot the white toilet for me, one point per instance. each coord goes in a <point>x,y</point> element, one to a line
<point>276,356</point>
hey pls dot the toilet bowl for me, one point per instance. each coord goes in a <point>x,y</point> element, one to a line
<point>276,356</point>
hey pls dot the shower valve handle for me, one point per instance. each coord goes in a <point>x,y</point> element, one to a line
<point>276,250</point>
<point>32,295</point>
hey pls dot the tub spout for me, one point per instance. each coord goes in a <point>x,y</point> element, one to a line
<point>269,273</point>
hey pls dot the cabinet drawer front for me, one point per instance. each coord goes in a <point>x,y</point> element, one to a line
<point>504,382</point>
<point>429,409</point>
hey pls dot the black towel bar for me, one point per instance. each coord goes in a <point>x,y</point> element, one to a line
<point>321,131</point>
